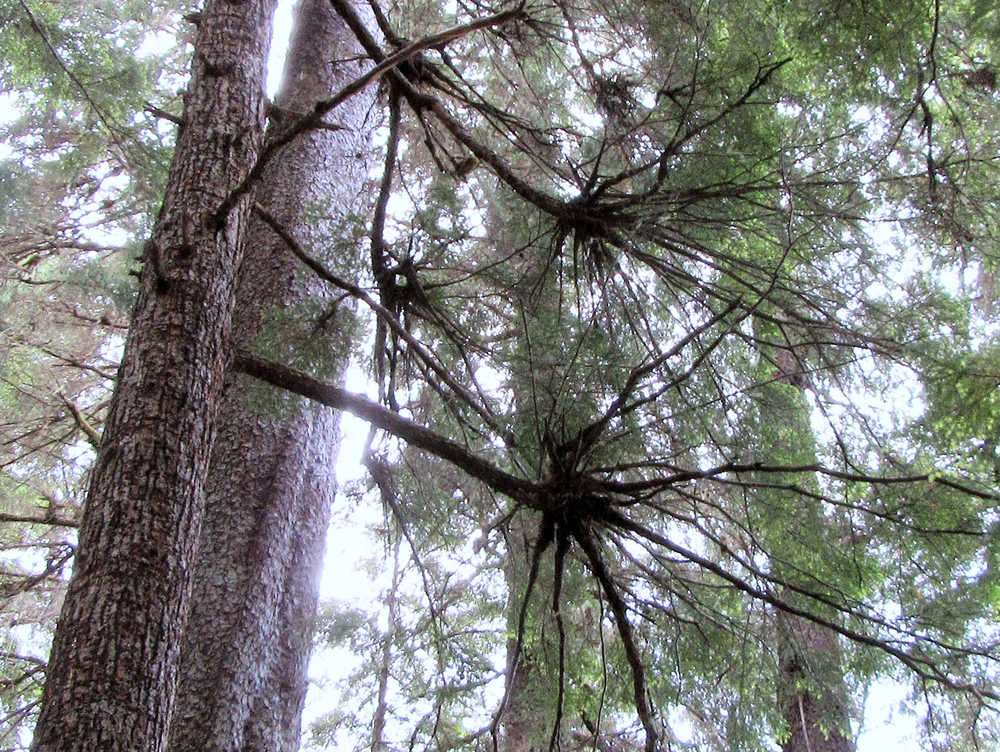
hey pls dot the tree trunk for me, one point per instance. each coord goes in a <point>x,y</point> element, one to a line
<point>242,681</point>
<point>527,717</point>
<point>114,657</point>
<point>812,693</point>
<point>814,707</point>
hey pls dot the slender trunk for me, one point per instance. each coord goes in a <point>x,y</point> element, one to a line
<point>114,657</point>
<point>531,686</point>
<point>526,721</point>
<point>245,652</point>
<point>378,741</point>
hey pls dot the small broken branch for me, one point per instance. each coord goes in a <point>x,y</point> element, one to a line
<point>93,437</point>
<point>163,114</point>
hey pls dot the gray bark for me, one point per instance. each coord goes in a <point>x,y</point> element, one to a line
<point>271,483</point>
<point>113,664</point>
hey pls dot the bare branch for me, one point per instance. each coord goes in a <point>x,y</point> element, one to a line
<point>393,423</point>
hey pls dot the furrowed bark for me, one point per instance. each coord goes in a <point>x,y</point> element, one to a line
<point>271,483</point>
<point>114,657</point>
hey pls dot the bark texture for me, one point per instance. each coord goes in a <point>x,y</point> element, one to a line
<point>243,676</point>
<point>814,704</point>
<point>113,664</point>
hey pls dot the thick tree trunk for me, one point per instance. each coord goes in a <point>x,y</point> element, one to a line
<point>242,682</point>
<point>114,657</point>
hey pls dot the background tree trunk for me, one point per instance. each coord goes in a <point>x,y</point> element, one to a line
<point>272,479</point>
<point>114,657</point>
<point>528,715</point>
<point>817,719</point>
<point>812,692</point>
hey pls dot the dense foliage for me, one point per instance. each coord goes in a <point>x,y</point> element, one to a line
<point>708,289</point>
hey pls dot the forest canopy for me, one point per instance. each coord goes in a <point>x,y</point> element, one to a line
<point>678,322</point>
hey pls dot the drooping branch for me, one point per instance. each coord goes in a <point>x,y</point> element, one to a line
<point>602,511</point>
<point>546,534</point>
<point>922,666</point>
<point>383,314</point>
<point>378,248</point>
<point>114,131</point>
<point>585,540</point>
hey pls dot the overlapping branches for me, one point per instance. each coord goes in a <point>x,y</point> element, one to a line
<point>698,209</point>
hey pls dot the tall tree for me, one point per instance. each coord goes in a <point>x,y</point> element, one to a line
<point>271,482</point>
<point>113,666</point>
<point>705,165</point>
<point>81,176</point>
<point>811,687</point>
<point>657,234</point>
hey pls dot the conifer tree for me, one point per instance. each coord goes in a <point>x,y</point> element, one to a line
<point>271,480</point>
<point>704,188</point>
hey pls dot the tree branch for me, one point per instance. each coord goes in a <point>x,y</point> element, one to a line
<point>412,433</point>
<point>314,119</point>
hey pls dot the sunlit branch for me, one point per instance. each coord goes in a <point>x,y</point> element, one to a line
<point>391,422</point>
<point>93,437</point>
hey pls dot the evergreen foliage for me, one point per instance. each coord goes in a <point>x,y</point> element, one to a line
<point>708,289</point>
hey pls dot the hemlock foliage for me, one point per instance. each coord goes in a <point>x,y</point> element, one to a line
<point>709,288</point>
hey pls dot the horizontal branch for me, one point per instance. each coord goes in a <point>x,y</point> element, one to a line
<point>412,433</point>
<point>48,519</point>
<point>742,468</point>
